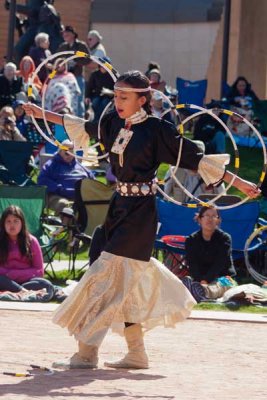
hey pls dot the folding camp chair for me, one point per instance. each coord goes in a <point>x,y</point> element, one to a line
<point>64,236</point>
<point>223,200</point>
<point>31,199</point>
<point>176,220</point>
<point>175,223</point>
<point>14,159</point>
<point>91,203</point>
<point>191,92</point>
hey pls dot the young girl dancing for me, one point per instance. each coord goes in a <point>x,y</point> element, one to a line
<point>124,284</point>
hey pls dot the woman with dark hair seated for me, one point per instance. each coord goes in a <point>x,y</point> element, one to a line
<point>209,254</point>
<point>21,260</point>
<point>241,98</point>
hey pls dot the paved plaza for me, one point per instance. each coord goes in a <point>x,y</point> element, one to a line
<point>201,359</point>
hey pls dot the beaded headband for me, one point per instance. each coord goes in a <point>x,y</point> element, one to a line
<point>130,89</point>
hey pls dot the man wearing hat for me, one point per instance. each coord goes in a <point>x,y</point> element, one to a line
<point>72,43</point>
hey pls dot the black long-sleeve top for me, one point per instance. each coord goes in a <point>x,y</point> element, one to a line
<point>131,222</point>
<point>209,260</point>
<point>8,90</point>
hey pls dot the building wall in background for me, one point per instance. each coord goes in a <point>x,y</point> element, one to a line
<point>189,50</point>
<point>75,13</point>
<point>247,48</point>
<point>181,49</point>
<point>252,49</point>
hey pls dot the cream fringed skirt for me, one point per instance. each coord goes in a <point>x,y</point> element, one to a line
<point>116,289</point>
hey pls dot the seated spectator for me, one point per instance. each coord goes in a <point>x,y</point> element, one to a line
<point>8,128</point>
<point>154,75</point>
<point>152,65</point>
<point>60,175</point>
<point>94,42</point>
<point>63,90</point>
<point>28,129</point>
<point>76,66</point>
<point>241,95</point>
<point>157,107</point>
<point>240,99</point>
<point>99,90</point>
<point>39,53</point>
<point>209,253</point>
<point>211,133</point>
<point>21,260</point>
<point>22,120</point>
<point>10,85</point>
<point>27,68</point>
<point>191,180</point>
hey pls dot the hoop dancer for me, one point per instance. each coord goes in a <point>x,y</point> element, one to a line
<point>124,285</point>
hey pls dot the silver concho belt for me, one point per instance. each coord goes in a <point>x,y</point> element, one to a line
<point>136,189</point>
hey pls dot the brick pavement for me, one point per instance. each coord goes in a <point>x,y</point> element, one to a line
<point>201,359</point>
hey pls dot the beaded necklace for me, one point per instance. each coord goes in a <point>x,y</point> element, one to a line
<point>125,134</point>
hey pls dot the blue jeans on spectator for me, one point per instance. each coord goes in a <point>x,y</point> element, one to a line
<point>218,142</point>
<point>81,105</point>
<point>7,284</point>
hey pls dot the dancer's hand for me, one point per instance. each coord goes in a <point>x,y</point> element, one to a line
<point>33,110</point>
<point>250,189</point>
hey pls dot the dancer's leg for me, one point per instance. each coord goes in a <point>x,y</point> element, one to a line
<point>85,358</point>
<point>136,356</point>
<point>87,355</point>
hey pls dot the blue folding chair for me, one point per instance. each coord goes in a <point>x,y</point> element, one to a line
<point>240,222</point>
<point>178,221</point>
<point>14,162</point>
<point>191,92</point>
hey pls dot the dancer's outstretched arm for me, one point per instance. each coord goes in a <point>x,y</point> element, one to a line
<point>247,187</point>
<point>36,112</point>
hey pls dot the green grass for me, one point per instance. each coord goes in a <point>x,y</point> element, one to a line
<point>251,163</point>
<point>240,308</point>
<point>63,275</point>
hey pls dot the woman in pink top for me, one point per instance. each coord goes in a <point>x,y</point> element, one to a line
<point>21,260</point>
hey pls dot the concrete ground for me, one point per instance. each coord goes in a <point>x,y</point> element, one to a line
<point>203,358</point>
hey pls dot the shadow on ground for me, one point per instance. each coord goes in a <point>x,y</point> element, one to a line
<point>67,383</point>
